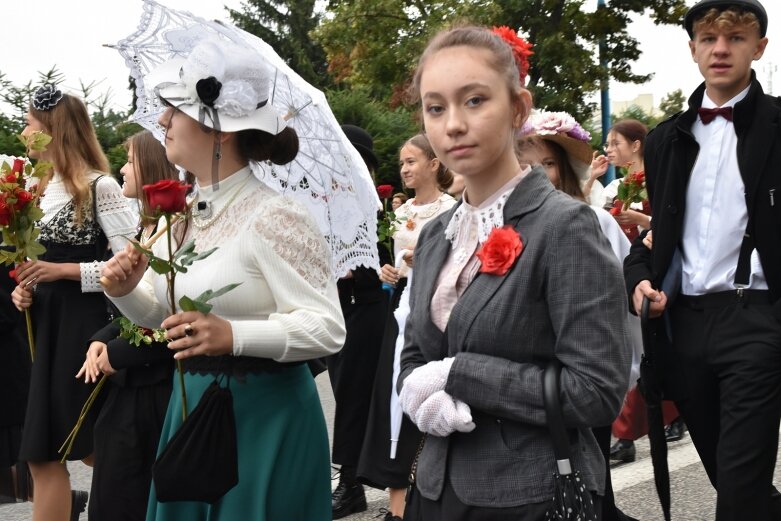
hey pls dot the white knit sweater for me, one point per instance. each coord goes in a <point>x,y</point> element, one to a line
<point>287,306</point>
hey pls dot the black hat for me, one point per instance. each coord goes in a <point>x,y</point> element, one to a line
<point>700,8</point>
<point>363,143</point>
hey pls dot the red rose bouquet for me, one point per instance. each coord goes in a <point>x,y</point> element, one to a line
<point>20,211</point>
<point>500,250</point>
<point>631,190</point>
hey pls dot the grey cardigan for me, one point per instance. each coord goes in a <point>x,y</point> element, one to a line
<point>563,298</point>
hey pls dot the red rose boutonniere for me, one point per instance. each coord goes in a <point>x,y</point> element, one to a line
<point>499,251</point>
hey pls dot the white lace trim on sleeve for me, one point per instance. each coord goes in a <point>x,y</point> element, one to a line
<point>114,214</point>
<point>90,276</point>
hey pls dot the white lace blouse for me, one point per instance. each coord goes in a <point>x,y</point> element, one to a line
<point>115,217</point>
<point>286,307</point>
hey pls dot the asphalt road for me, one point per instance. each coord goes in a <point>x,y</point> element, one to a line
<point>693,496</point>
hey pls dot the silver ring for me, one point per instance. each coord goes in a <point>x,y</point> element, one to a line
<point>31,281</point>
<point>188,330</point>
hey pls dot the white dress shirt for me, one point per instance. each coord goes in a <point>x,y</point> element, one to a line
<point>716,212</point>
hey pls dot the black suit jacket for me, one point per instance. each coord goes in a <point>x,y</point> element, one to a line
<point>670,154</point>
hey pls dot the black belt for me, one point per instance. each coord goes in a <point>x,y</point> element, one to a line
<point>726,298</point>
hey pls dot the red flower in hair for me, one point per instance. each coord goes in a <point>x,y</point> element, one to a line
<point>520,47</point>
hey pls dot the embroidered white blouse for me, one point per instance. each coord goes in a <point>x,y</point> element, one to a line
<point>115,217</point>
<point>286,307</point>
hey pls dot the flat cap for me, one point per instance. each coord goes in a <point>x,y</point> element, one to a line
<point>700,8</point>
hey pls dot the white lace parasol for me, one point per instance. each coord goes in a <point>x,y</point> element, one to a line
<point>328,176</point>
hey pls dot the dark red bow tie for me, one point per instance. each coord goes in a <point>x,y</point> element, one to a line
<point>708,115</point>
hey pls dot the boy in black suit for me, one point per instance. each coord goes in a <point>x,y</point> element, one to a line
<point>714,274</point>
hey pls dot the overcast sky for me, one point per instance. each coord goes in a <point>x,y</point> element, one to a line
<point>70,34</point>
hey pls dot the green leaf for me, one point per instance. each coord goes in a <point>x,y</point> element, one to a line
<point>623,191</point>
<point>203,255</point>
<point>188,304</point>
<point>209,294</point>
<point>159,265</point>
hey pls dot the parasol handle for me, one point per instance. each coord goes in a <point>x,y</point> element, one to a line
<point>645,311</point>
<point>555,419</point>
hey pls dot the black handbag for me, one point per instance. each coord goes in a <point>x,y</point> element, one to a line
<point>200,462</point>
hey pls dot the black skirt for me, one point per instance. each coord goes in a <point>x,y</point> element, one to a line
<point>64,320</point>
<point>127,434</point>
<point>375,467</point>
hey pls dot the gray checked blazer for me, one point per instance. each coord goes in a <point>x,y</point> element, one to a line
<point>564,298</point>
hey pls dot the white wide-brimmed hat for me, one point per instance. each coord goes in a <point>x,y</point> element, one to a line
<point>221,85</point>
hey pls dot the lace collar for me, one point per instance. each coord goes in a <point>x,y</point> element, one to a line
<point>485,217</point>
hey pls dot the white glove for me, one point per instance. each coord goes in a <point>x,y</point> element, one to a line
<point>422,383</point>
<point>441,415</point>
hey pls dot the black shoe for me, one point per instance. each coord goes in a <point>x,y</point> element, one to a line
<point>348,498</point>
<point>388,516</point>
<point>623,451</point>
<point>676,430</point>
<point>78,503</point>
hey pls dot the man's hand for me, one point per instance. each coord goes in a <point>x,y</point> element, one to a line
<point>658,298</point>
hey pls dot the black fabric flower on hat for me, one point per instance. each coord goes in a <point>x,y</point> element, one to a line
<point>208,90</point>
<point>46,97</point>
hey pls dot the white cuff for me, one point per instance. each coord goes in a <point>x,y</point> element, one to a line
<point>90,276</point>
<point>258,338</point>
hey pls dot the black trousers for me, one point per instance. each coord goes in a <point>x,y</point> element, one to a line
<point>726,360</point>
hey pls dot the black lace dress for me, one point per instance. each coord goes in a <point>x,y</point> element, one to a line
<point>64,320</point>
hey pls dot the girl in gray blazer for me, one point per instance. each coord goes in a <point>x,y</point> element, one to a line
<point>507,277</point>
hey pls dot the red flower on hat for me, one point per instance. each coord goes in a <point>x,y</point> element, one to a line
<point>500,250</point>
<point>520,47</point>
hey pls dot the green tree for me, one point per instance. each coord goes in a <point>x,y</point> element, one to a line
<point>389,128</point>
<point>672,104</point>
<point>636,112</point>
<point>285,25</point>
<point>375,43</point>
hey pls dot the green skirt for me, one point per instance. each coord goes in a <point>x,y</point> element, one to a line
<point>284,462</point>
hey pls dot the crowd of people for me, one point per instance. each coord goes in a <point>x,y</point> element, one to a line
<point>509,259</point>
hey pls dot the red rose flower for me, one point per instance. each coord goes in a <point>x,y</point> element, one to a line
<point>498,253</point>
<point>22,198</point>
<point>5,213</point>
<point>167,196</point>
<point>618,206</point>
<point>12,274</point>
<point>10,178</point>
<point>18,167</point>
<point>385,191</point>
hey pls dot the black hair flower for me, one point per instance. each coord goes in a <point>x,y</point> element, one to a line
<point>208,90</point>
<point>46,97</point>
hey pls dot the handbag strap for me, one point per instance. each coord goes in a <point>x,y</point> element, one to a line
<point>558,433</point>
<point>414,468</point>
